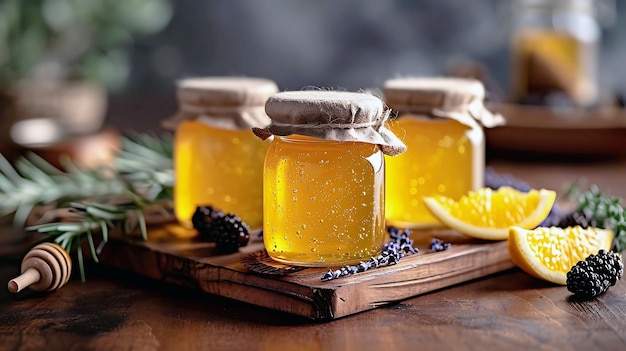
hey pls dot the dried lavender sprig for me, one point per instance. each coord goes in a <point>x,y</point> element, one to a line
<point>437,245</point>
<point>399,246</point>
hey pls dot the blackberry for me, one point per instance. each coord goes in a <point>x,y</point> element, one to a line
<point>594,275</point>
<point>202,220</point>
<point>576,218</point>
<point>230,233</point>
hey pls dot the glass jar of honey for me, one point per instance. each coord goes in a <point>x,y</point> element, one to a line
<point>218,161</point>
<point>441,121</point>
<point>554,50</point>
<point>324,182</point>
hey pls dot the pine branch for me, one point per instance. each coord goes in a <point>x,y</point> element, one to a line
<point>35,182</point>
<point>142,177</point>
<point>143,169</point>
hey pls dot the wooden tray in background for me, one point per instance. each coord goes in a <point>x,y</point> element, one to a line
<point>194,264</point>
<point>559,131</point>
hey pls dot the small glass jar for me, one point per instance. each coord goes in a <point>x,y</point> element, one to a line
<point>324,182</point>
<point>554,49</point>
<point>440,120</point>
<point>218,161</point>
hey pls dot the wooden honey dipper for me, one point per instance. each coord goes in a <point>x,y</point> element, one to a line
<point>45,267</point>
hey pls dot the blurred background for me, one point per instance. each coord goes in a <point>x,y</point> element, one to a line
<point>124,57</point>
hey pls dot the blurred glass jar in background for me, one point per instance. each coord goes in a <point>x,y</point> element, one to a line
<point>554,49</point>
<point>218,161</point>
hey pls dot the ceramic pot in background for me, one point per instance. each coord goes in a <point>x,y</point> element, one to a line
<point>78,107</point>
<point>53,118</point>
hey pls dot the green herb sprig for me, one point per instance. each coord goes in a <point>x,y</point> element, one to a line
<point>607,212</point>
<point>142,170</point>
<point>35,182</point>
<point>85,220</point>
<point>140,179</point>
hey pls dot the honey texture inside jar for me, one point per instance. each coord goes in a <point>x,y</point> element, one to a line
<point>443,157</point>
<point>324,201</point>
<point>218,167</point>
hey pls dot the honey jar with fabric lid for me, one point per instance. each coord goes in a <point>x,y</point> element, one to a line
<point>441,121</point>
<point>218,161</point>
<point>324,181</point>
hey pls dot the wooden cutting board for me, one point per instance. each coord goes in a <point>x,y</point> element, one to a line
<point>193,263</point>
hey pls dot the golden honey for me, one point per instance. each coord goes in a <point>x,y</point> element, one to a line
<point>443,158</point>
<point>324,179</point>
<point>324,201</point>
<point>218,161</point>
<point>218,167</point>
<point>441,121</point>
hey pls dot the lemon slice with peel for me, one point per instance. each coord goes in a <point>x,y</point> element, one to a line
<point>549,253</point>
<point>488,214</point>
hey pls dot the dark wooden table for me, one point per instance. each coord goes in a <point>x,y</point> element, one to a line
<point>115,310</point>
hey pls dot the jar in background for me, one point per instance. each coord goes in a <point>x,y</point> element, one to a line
<point>218,161</point>
<point>441,121</point>
<point>554,50</point>
<point>324,182</point>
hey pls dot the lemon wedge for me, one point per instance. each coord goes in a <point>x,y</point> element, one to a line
<point>488,214</point>
<point>549,253</point>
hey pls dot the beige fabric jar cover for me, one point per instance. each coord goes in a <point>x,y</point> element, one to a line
<point>331,115</point>
<point>223,102</point>
<point>456,98</point>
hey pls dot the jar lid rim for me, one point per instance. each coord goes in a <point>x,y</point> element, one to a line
<point>443,85</point>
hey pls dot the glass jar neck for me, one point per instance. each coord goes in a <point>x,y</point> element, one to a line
<point>308,142</point>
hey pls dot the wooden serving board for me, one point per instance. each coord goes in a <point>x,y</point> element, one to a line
<point>193,263</point>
